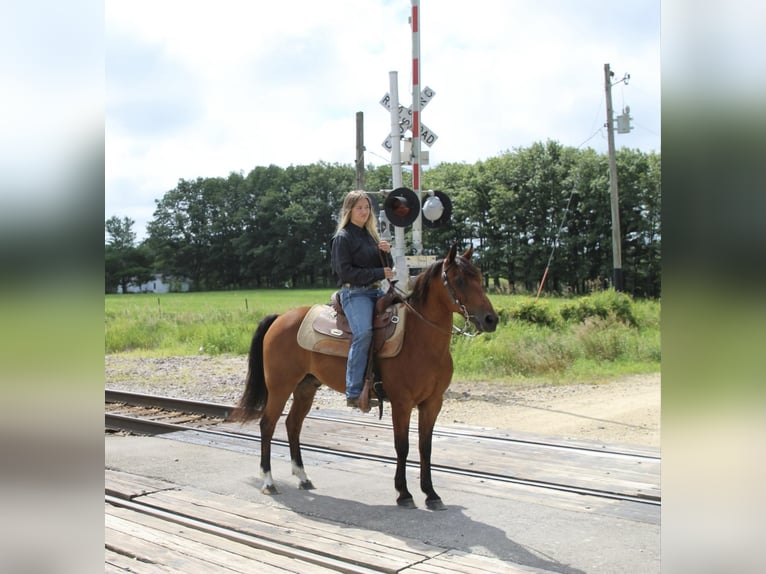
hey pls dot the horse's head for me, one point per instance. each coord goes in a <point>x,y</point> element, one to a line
<point>463,282</point>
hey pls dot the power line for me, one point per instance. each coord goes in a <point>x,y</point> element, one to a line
<point>598,131</point>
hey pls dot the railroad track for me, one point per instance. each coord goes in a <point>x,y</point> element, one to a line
<point>151,414</point>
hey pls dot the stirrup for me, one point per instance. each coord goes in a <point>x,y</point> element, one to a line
<point>357,403</point>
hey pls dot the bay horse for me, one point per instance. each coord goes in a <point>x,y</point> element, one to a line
<point>417,377</point>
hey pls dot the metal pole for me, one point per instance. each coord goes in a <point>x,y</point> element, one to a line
<point>400,261</point>
<point>616,242</point>
<point>360,150</point>
<point>417,225</point>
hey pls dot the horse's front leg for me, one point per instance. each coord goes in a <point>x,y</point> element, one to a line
<point>401,420</point>
<point>303,398</point>
<point>427,413</point>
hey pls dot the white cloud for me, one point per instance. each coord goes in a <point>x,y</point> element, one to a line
<point>200,90</point>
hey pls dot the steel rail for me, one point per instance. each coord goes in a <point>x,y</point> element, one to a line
<point>144,426</point>
<point>223,411</point>
<point>169,403</point>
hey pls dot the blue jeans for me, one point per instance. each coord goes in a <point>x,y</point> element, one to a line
<point>358,305</point>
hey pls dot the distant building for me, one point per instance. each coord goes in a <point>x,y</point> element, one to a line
<point>159,284</point>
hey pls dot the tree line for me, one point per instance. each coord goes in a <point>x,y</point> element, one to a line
<point>544,206</point>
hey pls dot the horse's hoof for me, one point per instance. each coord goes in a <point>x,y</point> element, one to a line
<point>435,504</point>
<point>270,489</point>
<point>406,503</point>
<point>306,485</point>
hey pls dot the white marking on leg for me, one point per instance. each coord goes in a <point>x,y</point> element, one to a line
<point>268,482</point>
<point>304,483</point>
<point>299,472</point>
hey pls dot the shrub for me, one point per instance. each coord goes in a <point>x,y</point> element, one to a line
<point>536,313</point>
<point>503,314</point>
<point>541,357</point>
<point>601,305</point>
<point>606,339</point>
<point>517,350</point>
<point>547,340</point>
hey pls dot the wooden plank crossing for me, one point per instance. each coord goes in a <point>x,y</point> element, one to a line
<point>460,562</point>
<point>579,464</point>
<point>155,527</point>
<point>192,551</point>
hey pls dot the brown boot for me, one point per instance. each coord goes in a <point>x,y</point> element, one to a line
<point>364,398</point>
<point>363,406</point>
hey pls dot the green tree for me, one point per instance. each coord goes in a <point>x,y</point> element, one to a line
<point>528,195</point>
<point>639,188</point>
<point>259,245</point>
<point>520,211</point>
<point>177,233</point>
<point>226,206</point>
<point>316,193</point>
<point>586,245</point>
<point>125,264</point>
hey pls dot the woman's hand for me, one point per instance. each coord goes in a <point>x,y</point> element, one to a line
<point>384,246</point>
<point>389,272</point>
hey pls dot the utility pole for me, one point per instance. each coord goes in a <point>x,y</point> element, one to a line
<point>359,150</point>
<point>617,279</point>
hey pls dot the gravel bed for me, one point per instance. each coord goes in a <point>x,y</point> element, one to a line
<point>625,411</point>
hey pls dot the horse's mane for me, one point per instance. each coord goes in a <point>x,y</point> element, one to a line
<point>423,281</point>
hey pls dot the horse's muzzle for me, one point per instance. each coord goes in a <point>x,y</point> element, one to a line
<point>486,323</point>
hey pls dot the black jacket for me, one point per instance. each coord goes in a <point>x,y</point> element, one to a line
<point>356,258</point>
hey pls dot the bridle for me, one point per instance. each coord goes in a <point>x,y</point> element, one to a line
<point>468,329</point>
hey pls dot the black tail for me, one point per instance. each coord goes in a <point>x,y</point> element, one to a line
<point>254,398</point>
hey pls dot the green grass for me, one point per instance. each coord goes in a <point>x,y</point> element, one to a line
<point>212,323</point>
<point>583,339</point>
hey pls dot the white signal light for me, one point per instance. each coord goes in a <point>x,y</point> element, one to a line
<point>433,208</point>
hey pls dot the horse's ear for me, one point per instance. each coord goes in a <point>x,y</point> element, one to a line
<point>450,259</point>
<point>468,253</point>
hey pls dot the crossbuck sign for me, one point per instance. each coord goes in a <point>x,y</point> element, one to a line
<point>405,119</point>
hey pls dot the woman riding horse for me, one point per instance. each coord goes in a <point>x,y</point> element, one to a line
<point>416,377</point>
<point>358,263</point>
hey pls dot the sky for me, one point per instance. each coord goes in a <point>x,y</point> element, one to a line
<point>205,89</point>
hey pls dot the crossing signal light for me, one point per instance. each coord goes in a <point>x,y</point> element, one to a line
<point>437,209</point>
<point>401,207</point>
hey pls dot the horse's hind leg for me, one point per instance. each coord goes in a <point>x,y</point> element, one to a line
<point>303,398</point>
<point>268,424</point>
<point>271,414</point>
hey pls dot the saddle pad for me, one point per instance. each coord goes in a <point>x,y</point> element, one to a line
<point>312,340</point>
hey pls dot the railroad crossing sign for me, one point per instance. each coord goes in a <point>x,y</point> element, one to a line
<point>427,135</point>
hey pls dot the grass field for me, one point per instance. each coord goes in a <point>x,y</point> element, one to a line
<point>591,338</point>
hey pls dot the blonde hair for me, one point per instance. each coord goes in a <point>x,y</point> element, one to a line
<point>351,199</point>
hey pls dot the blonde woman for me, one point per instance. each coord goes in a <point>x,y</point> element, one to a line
<point>360,260</point>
